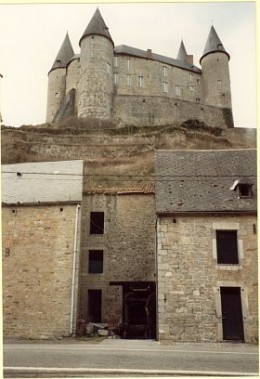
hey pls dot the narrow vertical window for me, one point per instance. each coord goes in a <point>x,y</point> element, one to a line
<point>128,80</point>
<point>96,222</point>
<point>164,71</point>
<point>116,61</point>
<point>95,262</point>
<point>108,68</point>
<point>116,78</point>
<point>178,90</point>
<point>165,87</point>
<point>140,81</point>
<point>227,247</point>
<point>128,64</point>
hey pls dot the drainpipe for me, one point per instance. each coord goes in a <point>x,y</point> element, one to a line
<point>157,276</point>
<point>74,269</point>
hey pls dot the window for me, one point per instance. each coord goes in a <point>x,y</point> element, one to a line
<point>140,81</point>
<point>94,305</point>
<point>116,61</point>
<point>95,262</point>
<point>96,222</point>
<point>128,64</point>
<point>165,87</point>
<point>178,90</point>
<point>108,68</point>
<point>227,247</point>
<point>245,190</point>
<point>116,78</point>
<point>191,78</point>
<point>164,71</point>
<point>191,88</point>
<point>128,80</point>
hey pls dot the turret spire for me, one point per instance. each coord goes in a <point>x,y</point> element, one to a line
<point>182,54</point>
<point>64,55</point>
<point>97,26</point>
<point>213,44</point>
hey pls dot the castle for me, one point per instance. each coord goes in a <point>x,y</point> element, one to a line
<point>137,87</point>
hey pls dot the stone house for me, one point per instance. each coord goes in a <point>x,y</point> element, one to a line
<point>207,245</point>
<point>41,213</point>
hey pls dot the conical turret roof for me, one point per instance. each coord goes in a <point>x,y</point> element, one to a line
<point>182,54</point>
<point>97,26</point>
<point>213,44</point>
<point>64,55</point>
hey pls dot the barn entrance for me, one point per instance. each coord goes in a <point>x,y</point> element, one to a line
<point>232,317</point>
<point>138,310</point>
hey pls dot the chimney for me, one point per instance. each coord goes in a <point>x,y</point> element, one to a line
<point>190,59</point>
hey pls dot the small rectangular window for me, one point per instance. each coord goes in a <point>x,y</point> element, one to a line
<point>140,81</point>
<point>116,78</point>
<point>165,87</point>
<point>227,247</point>
<point>178,90</point>
<point>116,61</point>
<point>128,80</point>
<point>95,262</point>
<point>245,190</point>
<point>96,222</point>
<point>128,64</point>
<point>164,71</point>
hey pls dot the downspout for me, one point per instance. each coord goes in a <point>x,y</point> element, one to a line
<point>74,269</point>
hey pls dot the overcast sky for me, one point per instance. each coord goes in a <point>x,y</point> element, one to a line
<point>31,35</point>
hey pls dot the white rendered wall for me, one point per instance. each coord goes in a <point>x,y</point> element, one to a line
<point>42,182</point>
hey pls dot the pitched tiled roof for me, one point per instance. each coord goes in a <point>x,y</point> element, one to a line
<point>128,50</point>
<point>201,181</point>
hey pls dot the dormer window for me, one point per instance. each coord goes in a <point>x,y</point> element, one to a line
<point>243,189</point>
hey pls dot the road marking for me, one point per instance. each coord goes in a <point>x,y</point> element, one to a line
<point>52,370</point>
<point>71,348</point>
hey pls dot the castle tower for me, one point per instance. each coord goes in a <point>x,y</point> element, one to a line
<point>215,74</point>
<point>57,79</point>
<point>96,70</point>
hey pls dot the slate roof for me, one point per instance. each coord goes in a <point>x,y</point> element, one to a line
<point>97,26</point>
<point>201,181</point>
<point>213,44</point>
<point>128,50</point>
<point>64,55</point>
<point>182,53</point>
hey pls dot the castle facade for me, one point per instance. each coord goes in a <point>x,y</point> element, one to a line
<point>136,87</point>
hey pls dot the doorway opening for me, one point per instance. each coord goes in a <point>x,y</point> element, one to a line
<point>232,315</point>
<point>138,310</point>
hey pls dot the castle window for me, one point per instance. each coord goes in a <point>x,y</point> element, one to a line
<point>140,81</point>
<point>116,61</point>
<point>178,90</point>
<point>128,64</point>
<point>197,100</point>
<point>165,87</point>
<point>191,78</point>
<point>57,94</point>
<point>95,262</point>
<point>191,88</point>
<point>96,222</point>
<point>116,78</point>
<point>227,247</point>
<point>164,71</point>
<point>128,80</point>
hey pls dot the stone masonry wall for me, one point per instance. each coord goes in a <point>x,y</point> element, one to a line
<point>37,270</point>
<point>128,245</point>
<point>189,278</point>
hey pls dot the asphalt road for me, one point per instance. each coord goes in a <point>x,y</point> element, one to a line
<point>132,356</point>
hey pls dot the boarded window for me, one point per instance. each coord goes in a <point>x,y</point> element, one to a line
<point>96,222</point>
<point>227,249</point>
<point>95,264</point>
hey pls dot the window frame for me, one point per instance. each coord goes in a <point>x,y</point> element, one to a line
<point>95,266</point>
<point>94,227</point>
<point>224,257</point>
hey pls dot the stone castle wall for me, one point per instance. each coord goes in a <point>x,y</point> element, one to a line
<point>38,245</point>
<point>189,278</point>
